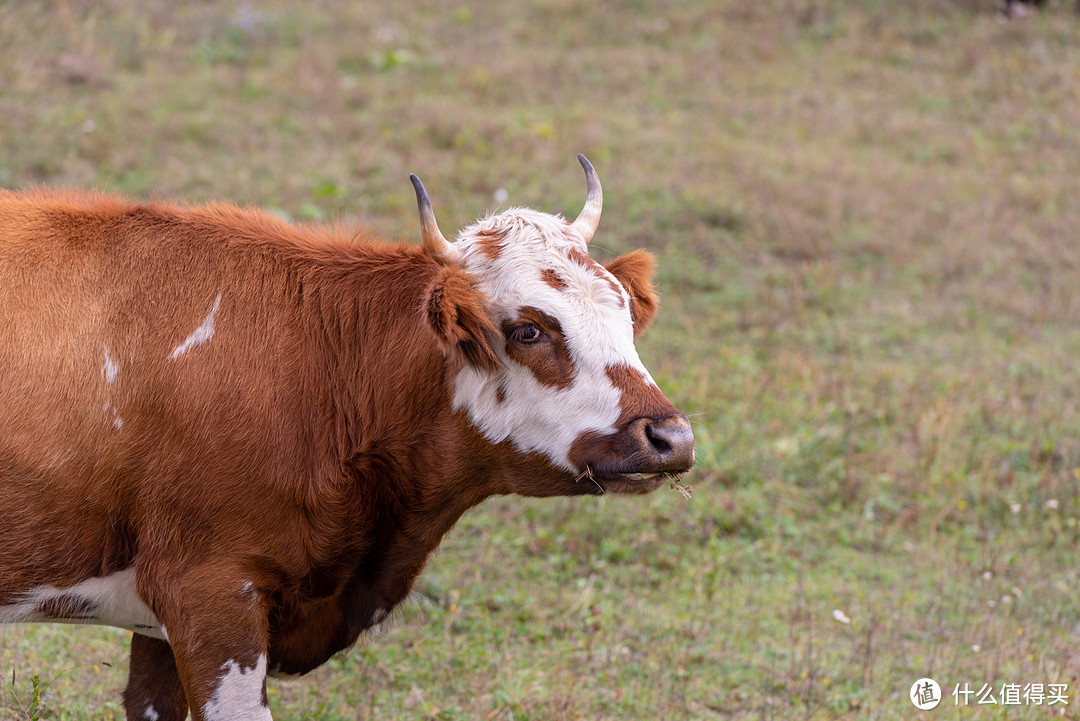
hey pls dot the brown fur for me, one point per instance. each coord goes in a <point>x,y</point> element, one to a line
<point>154,681</point>
<point>635,271</point>
<point>490,243</point>
<point>457,315</point>
<point>551,277</point>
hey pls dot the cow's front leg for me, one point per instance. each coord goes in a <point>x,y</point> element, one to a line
<point>153,692</point>
<point>217,628</point>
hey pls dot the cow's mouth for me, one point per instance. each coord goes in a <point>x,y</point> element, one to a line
<point>625,482</point>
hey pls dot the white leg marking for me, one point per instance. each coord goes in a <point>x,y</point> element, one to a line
<point>200,335</point>
<point>109,601</point>
<point>151,713</point>
<point>239,693</point>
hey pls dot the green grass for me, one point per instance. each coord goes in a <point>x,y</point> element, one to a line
<point>866,218</point>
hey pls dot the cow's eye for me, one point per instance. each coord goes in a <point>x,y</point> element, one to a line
<point>526,334</point>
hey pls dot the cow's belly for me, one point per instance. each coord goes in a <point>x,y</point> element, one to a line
<point>107,601</point>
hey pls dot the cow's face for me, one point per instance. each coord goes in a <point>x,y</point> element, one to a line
<point>567,382</point>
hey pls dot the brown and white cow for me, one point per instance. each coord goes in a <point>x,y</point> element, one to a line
<point>241,439</point>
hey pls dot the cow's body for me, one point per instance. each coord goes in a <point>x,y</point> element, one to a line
<point>241,439</point>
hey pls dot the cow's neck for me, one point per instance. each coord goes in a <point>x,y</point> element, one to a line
<point>411,519</point>
<point>400,528</point>
<point>402,473</point>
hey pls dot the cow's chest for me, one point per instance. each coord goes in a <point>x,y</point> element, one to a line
<point>307,635</point>
<point>305,632</point>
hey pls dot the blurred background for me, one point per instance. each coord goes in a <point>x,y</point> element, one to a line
<point>867,219</point>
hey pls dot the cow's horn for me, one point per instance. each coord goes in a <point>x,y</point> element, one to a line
<point>589,217</point>
<point>439,247</point>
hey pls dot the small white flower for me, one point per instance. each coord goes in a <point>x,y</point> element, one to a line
<point>1052,504</point>
<point>787,446</point>
<point>500,196</point>
<point>976,648</point>
<point>1006,599</point>
<point>841,616</point>
<point>1015,508</point>
<point>987,575</point>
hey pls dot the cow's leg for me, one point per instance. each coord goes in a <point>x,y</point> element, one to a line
<point>217,626</point>
<point>153,692</point>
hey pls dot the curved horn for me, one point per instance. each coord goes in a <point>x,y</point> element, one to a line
<point>589,217</point>
<point>442,250</point>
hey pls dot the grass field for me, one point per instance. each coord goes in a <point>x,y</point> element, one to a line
<point>867,216</point>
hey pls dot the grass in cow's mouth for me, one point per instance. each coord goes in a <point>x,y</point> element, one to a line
<point>675,481</point>
<point>588,473</point>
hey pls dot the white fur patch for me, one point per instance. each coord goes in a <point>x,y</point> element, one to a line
<point>594,313</point>
<point>200,335</point>
<point>151,713</point>
<point>239,693</point>
<point>249,590</point>
<point>110,600</point>
<point>110,368</point>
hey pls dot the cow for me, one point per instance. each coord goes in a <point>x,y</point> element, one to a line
<point>241,439</point>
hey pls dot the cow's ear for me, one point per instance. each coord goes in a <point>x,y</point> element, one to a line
<point>635,271</point>
<point>457,314</point>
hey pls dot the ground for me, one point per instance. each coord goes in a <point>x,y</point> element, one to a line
<point>866,219</point>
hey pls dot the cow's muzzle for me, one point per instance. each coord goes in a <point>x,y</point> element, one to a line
<point>637,458</point>
<point>664,446</point>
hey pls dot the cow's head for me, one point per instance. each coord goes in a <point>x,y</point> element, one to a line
<point>552,368</point>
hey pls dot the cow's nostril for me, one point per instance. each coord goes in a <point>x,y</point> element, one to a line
<point>669,443</point>
<point>662,446</point>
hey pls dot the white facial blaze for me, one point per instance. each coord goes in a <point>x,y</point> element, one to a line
<point>593,311</point>
<point>239,693</point>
